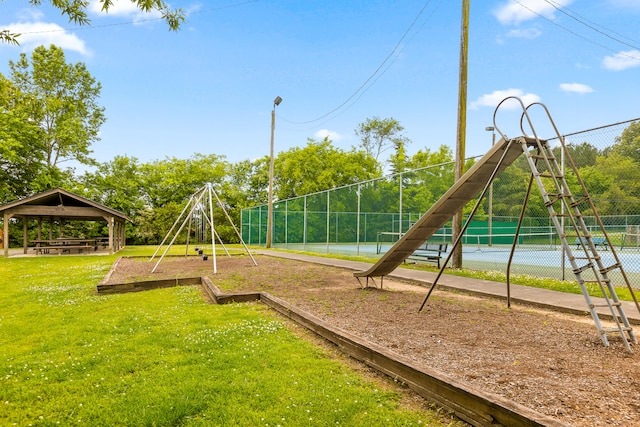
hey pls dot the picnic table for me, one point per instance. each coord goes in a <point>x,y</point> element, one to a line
<point>64,244</point>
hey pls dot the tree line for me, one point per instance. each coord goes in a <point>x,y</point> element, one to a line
<point>49,114</point>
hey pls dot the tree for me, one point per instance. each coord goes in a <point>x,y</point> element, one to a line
<point>175,180</point>
<point>583,154</point>
<point>628,144</point>
<point>76,11</point>
<point>614,184</point>
<point>61,100</point>
<point>117,184</point>
<point>18,164</point>
<point>320,166</point>
<point>379,135</point>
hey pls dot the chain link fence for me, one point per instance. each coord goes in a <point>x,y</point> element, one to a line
<point>368,217</point>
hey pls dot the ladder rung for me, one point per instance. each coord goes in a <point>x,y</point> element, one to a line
<point>608,269</point>
<point>584,258</point>
<point>622,328</point>
<point>579,201</point>
<point>613,304</point>
<point>541,157</point>
<point>583,268</point>
<point>549,175</point>
<point>553,198</point>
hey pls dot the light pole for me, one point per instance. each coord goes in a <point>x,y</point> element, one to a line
<point>490,213</point>
<point>276,102</point>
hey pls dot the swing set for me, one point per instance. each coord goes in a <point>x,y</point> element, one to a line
<point>197,216</point>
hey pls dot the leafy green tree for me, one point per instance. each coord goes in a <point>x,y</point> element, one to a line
<point>76,11</point>
<point>583,154</point>
<point>61,99</point>
<point>320,166</point>
<point>249,180</point>
<point>628,144</point>
<point>614,184</point>
<point>379,135</point>
<point>433,177</point>
<point>18,163</point>
<point>175,180</point>
<point>168,184</point>
<point>117,184</point>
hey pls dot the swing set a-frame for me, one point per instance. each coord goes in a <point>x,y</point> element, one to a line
<point>197,216</point>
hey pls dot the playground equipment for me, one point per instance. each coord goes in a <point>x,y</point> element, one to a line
<point>198,215</point>
<point>561,204</point>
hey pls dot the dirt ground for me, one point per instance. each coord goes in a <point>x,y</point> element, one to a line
<point>552,363</point>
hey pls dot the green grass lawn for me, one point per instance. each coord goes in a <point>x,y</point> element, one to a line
<point>165,358</point>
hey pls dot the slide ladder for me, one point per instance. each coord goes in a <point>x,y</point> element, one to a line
<point>565,212</point>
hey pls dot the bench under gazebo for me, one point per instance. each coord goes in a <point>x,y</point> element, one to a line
<point>57,207</point>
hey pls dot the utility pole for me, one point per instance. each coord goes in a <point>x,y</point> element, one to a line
<point>461,133</point>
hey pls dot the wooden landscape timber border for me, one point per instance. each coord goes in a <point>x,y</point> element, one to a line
<point>472,405</point>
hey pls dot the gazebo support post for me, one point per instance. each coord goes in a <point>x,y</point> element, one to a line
<point>24,234</point>
<point>5,235</point>
<point>111,237</point>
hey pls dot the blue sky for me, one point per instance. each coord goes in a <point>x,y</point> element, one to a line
<point>209,88</point>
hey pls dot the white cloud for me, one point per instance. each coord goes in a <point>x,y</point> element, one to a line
<point>332,135</point>
<point>526,33</point>
<point>494,98</point>
<point>123,9</point>
<point>34,34</point>
<point>513,13</point>
<point>575,88</point>
<point>622,60</point>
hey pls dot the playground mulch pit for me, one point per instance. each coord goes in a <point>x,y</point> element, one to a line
<point>553,363</point>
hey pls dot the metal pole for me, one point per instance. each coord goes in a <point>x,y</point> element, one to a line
<point>358,223</point>
<point>213,229</point>
<point>400,206</point>
<point>490,213</point>
<point>276,102</point>
<point>462,126</point>
<point>328,218</point>
<point>304,229</point>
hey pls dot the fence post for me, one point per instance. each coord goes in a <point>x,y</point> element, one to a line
<point>328,220</point>
<point>400,204</point>
<point>358,222</point>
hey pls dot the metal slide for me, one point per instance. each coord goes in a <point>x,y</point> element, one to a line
<point>465,189</point>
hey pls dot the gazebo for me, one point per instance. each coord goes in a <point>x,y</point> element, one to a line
<point>57,206</point>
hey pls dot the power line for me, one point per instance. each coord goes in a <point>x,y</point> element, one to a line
<point>577,34</point>
<point>591,25</point>
<point>377,73</point>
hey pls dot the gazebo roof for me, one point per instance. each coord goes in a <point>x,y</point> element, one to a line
<point>60,203</point>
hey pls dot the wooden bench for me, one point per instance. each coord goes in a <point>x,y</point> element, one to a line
<point>431,252</point>
<point>597,241</point>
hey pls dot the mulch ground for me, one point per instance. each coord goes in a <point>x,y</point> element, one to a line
<point>550,362</point>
